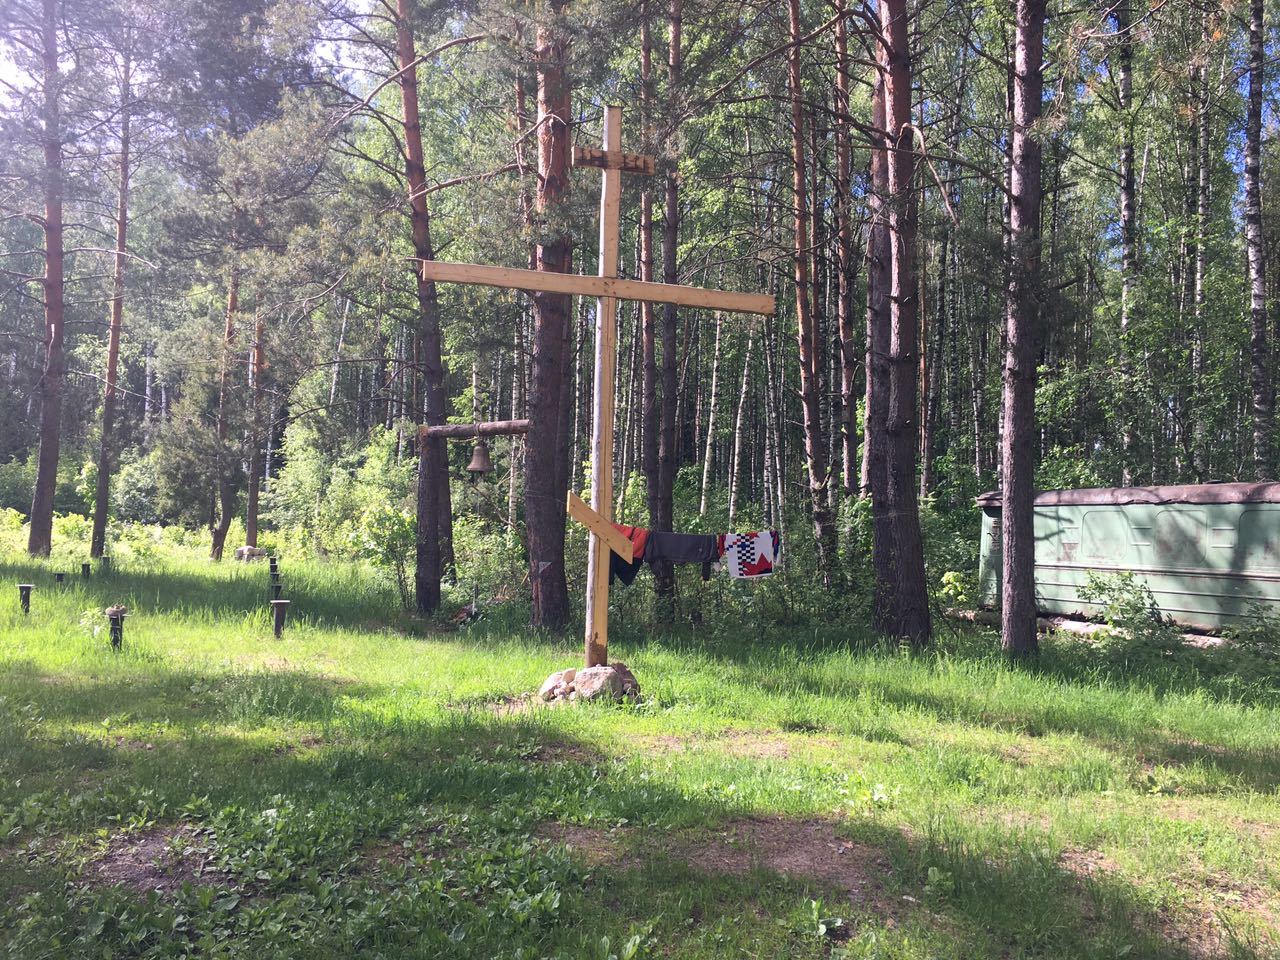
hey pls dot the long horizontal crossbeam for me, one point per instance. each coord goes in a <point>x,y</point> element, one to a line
<point>572,283</point>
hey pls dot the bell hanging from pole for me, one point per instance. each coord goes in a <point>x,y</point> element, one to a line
<point>480,463</point>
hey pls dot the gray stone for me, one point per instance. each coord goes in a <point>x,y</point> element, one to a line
<point>557,685</point>
<point>595,682</point>
<point>630,686</point>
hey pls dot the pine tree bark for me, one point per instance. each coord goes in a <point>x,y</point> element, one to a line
<point>903,565</point>
<point>1259,339</point>
<point>226,486</point>
<point>546,462</point>
<point>663,573</point>
<point>1024,340</point>
<point>40,538</point>
<point>846,262</point>
<point>649,425</point>
<point>434,516</point>
<point>102,489</point>
<point>877,336</point>
<point>810,344</point>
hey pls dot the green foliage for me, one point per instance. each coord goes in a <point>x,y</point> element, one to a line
<point>1136,629</point>
<point>388,539</point>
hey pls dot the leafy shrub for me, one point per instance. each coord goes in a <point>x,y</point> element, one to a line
<point>135,492</point>
<point>388,539</point>
<point>1136,629</point>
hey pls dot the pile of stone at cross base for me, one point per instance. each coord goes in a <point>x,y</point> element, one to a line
<point>614,682</point>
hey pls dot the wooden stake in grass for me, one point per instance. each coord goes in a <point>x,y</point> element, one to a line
<point>24,596</point>
<point>84,570</point>
<point>116,616</point>
<point>278,608</point>
<point>59,578</point>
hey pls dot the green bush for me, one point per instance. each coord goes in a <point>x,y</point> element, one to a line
<point>1136,629</point>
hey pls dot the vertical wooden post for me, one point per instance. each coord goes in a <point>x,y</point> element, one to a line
<point>597,619</point>
<point>24,597</point>
<point>278,608</point>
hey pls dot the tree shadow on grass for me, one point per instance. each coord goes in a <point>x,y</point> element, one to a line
<point>369,774</point>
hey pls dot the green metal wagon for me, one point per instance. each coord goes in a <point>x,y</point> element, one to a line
<point>1208,552</point>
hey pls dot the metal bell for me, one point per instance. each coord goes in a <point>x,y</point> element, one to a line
<point>480,462</point>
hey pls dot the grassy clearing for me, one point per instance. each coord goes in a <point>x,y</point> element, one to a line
<point>356,789</point>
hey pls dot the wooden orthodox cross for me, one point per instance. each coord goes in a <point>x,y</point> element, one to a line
<point>608,289</point>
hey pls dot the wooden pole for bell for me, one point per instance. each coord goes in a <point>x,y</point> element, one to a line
<point>597,625</point>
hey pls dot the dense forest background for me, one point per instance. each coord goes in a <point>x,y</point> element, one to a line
<point>210,317</point>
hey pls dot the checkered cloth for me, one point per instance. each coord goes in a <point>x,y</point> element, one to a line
<point>752,555</point>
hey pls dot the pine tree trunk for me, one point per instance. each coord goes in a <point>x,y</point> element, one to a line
<point>102,491</point>
<point>1024,341</point>
<point>434,516</point>
<point>806,324</point>
<point>663,574</point>
<point>40,539</point>
<point>546,456</point>
<point>1259,343</point>
<point>902,566</point>
<point>846,261</point>
<point>226,488</point>
<point>649,426</point>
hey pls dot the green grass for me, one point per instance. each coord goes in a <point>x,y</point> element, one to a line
<point>350,791</point>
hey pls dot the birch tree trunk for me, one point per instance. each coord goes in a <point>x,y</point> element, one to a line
<point>1024,340</point>
<point>1259,345</point>
<point>735,465</point>
<point>711,418</point>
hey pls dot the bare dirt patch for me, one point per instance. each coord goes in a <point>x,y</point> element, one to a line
<point>591,846</point>
<point>125,743</point>
<point>807,849</point>
<point>161,859</point>
<point>1203,929</point>
<point>750,744</point>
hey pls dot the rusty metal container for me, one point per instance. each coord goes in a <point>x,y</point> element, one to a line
<point>1208,552</point>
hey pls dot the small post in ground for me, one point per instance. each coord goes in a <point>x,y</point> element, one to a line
<point>59,578</point>
<point>84,570</point>
<point>116,615</point>
<point>24,595</point>
<point>278,608</point>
